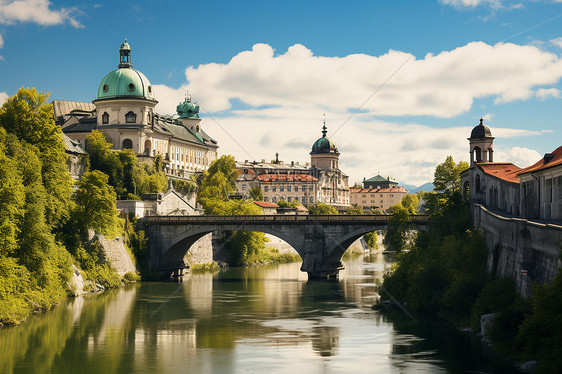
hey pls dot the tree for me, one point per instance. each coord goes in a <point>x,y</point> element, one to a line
<point>218,182</point>
<point>396,236</point>
<point>104,159</point>
<point>322,208</point>
<point>411,203</point>
<point>96,202</point>
<point>256,194</point>
<point>447,175</point>
<point>29,117</point>
<point>372,239</point>
<point>355,209</point>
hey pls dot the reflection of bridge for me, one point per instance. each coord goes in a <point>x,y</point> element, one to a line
<point>320,240</point>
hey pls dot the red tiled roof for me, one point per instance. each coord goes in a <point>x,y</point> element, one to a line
<point>503,170</point>
<point>265,204</point>
<point>378,190</point>
<point>549,160</point>
<point>287,178</point>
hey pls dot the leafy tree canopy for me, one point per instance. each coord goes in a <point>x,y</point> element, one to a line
<point>322,208</point>
<point>447,175</point>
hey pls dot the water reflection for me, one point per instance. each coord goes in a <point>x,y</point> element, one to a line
<point>269,319</point>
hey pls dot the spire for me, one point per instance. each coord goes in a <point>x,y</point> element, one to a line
<point>481,121</point>
<point>324,128</point>
<point>125,55</point>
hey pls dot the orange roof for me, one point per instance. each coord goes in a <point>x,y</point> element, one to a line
<point>286,178</point>
<point>502,170</point>
<point>265,204</point>
<point>378,190</point>
<point>548,161</point>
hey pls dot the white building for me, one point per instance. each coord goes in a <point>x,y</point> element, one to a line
<point>124,110</point>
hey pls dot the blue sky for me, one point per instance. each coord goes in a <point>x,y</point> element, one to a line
<point>421,72</point>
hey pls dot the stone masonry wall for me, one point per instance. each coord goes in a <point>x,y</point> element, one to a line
<point>520,249</point>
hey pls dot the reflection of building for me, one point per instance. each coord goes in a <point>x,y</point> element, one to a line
<point>124,110</point>
<point>377,193</point>
<point>321,181</point>
<point>532,192</point>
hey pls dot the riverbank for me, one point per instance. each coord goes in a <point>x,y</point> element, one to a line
<point>444,277</point>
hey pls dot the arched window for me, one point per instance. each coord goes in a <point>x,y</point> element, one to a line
<point>477,154</point>
<point>147,145</point>
<point>127,144</point>
<point>130,117</point>
<point>105,118</point>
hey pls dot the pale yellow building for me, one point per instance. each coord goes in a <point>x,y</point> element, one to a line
<point>377,198</point>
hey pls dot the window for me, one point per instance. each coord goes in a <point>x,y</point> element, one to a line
<point>289,189</point>
<point>130,117</point>
<point>303,188</point>
<point>149,89</point>
<point>127,144</point>
<point>274,188</point>
<point>311,199</point>
<point>282,188</point>
<point>105,88</point>
<point>266,188</point>
<point>311,188</point>
<point>105,118</point>
<point>273,199</point>
<point>131,87</point>
<point>244,187</point>
<point>290,198</point>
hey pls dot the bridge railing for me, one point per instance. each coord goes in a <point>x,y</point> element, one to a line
<point>278,218</point>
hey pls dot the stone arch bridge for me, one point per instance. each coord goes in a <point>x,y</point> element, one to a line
<point>320,240</point>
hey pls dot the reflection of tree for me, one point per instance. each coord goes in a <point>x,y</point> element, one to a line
<point>325,340</point>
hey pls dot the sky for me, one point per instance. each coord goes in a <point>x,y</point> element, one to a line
<point>399,83</point>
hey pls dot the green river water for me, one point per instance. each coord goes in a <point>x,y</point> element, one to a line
<point>267,319</point>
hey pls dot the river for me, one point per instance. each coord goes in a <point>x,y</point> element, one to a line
<point>266,319</point>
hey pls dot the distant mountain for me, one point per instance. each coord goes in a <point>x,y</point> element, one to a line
<point>427,187</point>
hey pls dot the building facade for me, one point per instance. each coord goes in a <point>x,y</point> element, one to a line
<point>321,180</point>
<point>534,192</point>
<point>124,110</point>
<point>381,199</point>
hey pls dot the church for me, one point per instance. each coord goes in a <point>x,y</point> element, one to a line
<point>124,110</point>
<point>534,192</point>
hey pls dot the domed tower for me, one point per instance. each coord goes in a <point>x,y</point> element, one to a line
<point>324,154</point>
<point>125,100</point>
<point>481,144</point>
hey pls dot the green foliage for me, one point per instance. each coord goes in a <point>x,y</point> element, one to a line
<point>29,117</point>
<point>447,175</point>
<point>96,202</point>
<point>131,277</point>
<point>285,204</point>
<point>372,240</point>
<point>184,187</point>
<point>95,268</point>
<point>397,235</point>
<point>355,210</point>
<point>411,203</point>
<point>256,194</point>
<point>541,332</point>
<point>322,208</point>
<point>245,245</point>
<point>209,267</point>
<point>129,177</point>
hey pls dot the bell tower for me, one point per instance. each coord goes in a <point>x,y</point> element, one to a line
<point>481,144</point>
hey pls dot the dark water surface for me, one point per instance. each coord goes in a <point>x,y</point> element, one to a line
<point>257,320</point>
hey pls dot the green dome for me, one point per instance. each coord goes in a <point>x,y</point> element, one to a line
<point>188,109</point>
<point>125,82</point>
<point>324,144</point>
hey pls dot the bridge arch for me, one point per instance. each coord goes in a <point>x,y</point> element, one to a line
<point>181,243</point>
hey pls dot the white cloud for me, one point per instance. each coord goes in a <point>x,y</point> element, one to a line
<point>37,11</point>
<point>285,96</point>
<point>493,4</point>
<point>521,157</point>
<point>556,41</point>
<point>442,85</point>
<point>544,93</point>
<point>3,97</point>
